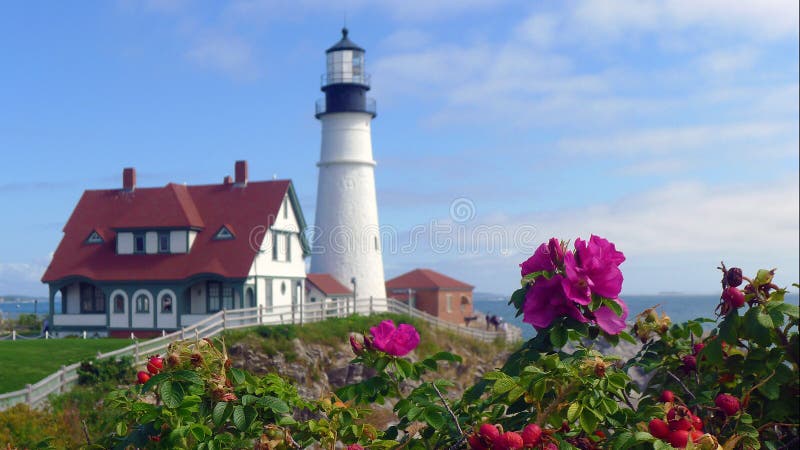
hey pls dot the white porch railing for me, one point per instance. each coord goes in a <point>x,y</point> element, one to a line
<point>210,326</point>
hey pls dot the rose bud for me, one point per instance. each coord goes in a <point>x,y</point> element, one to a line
<point>358,347</point>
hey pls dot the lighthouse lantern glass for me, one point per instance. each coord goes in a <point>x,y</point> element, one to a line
<point>345,66</point>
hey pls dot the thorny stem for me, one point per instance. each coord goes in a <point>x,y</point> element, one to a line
<point>86,432</point>
<point>542,415</point>
<point>682,385</point>
<point>452,414</point>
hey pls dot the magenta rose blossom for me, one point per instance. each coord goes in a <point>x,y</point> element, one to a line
<point>397,341</point>
<point>608,320</point>
<point>545,301</point>
<point>570,280</point>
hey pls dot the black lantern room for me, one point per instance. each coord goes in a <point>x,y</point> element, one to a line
<point>345,83</point>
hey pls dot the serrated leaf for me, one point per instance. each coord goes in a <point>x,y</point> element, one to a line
<point>171,394</point>
<point>588,420</point>
<point>277,405</point>
<point>434,417</point>
<point>220,413</point>
<point>503,385</point>
<point>239,418</point>
<point>573,411</point>
<point>237,375</point>
<point>558,336</point>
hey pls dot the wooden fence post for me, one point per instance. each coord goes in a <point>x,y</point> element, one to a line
<point>370,305</point>
<point>224,324</point>
<point>302,312</point>
<point>136,353</point>
<point>293,306</point>
<point>260,314</point>
<point>13,335</point>
<point>29,394</point>
<point>61,380</point>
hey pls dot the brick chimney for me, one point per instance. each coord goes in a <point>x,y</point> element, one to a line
<point>128,179</point>
<point>241,173</point>
<point>227,180</point>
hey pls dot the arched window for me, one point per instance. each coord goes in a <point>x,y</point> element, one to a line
<point>119,304</point>
<point>251,298</point>
<point>166,304</point>
<point>142,304</point>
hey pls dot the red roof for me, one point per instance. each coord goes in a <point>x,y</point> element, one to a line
<point>426,279</point>
<point>206,208</point>
<point>327,284</point>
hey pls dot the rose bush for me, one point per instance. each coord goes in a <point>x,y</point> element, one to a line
<point>733,384</point>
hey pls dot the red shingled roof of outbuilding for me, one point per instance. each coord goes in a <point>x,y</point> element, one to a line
<point>425,279</point>
<point>250,210</point>
<point>327,284</point>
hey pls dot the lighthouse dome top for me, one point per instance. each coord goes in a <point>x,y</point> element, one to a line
<point>344,44</point>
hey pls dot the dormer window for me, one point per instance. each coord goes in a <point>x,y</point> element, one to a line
<point>138,243</point>
<point>94,238</point>
<point>163,242</point>
<point>223,234</point>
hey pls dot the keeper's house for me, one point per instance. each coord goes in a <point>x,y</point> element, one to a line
<point>144,260</point>
<point>435,293</point>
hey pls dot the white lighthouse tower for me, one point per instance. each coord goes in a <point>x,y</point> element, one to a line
<point>346,238</point>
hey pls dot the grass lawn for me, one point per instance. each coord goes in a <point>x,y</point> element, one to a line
<point>23,362</point>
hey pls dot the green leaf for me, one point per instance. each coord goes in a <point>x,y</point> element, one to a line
<point>237,375</point>
<point>558,336</point>
<point>790,310</point>
<point>275,404</point>
<point>627,337</point>
<point>220,413</point>
<point>171,394</point>
<point>588,420</point>
<point>729,326</point>
<point>434,417</point>
<point>771,389</point>
<point>503,385</point>
<point>121,429</point>
<point>518,298</point>
<point>696,328</point>
<point>573,411</point>
<point>239,420</point>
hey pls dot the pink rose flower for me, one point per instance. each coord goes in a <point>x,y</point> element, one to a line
<point>545,301</point>
<point>609,321</point>
<point>397,341</point>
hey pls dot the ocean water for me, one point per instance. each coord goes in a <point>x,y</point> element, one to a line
<point>679,308</point>
<point>11,310</point>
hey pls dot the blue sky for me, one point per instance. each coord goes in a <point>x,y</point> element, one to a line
<point>669,127</point>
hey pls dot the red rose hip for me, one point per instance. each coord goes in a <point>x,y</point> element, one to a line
<point>508,441</point>
<point>142,377</point>
<point>155,364</point>
<point>678,438</point>
<point>728,404</point>
<point>531,435</point>
<point>667,396</point>
<point>659,428</point>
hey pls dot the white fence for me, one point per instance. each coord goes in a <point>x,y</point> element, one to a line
<point>67,376</point>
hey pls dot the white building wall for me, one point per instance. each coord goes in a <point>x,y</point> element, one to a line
<point>151,242</point>
<point>198,298</point>
<point>192,236</point>
<point>74,299</point>
<point>166,319</point>
<point>142,320</point>
<point>177,241</point>
<point>347,243</point>
<point>118,320</point>
<point>125,243</point>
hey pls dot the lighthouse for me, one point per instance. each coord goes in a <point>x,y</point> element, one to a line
<point>346,236</point>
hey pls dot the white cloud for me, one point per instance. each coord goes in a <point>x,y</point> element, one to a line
<point>764,19</point>
<point>406,39</point>
<point>228,55</point>
<point>679,139</point>
<point>729,61</point>
<point>673,236</point>
<point>539,29</point>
